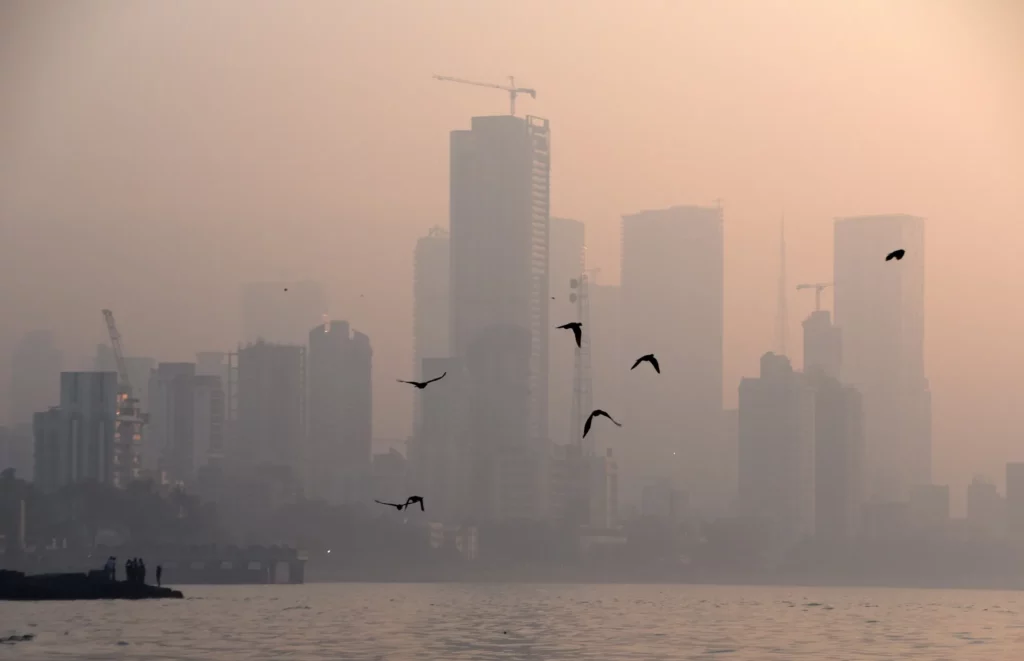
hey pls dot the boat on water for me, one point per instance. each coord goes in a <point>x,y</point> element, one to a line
<point>17,586</point>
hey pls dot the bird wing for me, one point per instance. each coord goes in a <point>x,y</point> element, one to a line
<point>577,330</point>
<point>654,363</point>
<point>422,508</point>
<point>605,414</point>
<point>412,383</point>
<point>638,361</point>
<point>437,378</point>
<point>586,425</point>
<point>390,504</point>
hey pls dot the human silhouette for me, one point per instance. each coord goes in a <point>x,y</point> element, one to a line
<point>420,385</point>
<point>590,419</point>
<point>577,330</point>
<point>649,358</point>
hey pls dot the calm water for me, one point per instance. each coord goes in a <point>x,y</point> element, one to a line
<point>461,621</point>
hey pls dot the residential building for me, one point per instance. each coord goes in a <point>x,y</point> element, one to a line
<point>170,433</point>
<point>440,452</point>
<point>1015,500</point>
<point>776,448</point>
<point>339,450</point>
<point>879,305</point>
<point>607,362</point>
<point>604,491</point>
<point>499,223</point>
<point>431,314</point>
<point>271,408</point>
<point>75,441</point>
<point>208,409</point>
<point>838,458</point>
<point>986,509</point>
<point>672,298</point>
<point>567,255</point>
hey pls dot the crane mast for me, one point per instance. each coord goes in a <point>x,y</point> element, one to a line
<point>129,415</point>
<point>115,345</point>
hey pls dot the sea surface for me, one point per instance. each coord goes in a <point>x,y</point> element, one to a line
<point>392,622</point>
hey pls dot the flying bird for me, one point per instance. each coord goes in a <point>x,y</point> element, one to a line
<point>896,254</point>
<point>422,384</point>
<point>649,358</point>
<point>577,330</point>
<point>411,500</point>
<point>590,419</point>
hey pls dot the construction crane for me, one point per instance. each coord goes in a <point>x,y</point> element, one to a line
<point>115,344</point>
<point>818,287</point>
<point>511,88</point>
<point>130,418</point>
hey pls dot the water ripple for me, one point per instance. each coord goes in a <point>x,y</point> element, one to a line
<point>549,623</point>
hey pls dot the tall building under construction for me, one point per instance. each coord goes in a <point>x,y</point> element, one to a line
<point>499,223</point>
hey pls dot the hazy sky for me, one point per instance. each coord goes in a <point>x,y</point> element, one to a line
<point>154,155</point>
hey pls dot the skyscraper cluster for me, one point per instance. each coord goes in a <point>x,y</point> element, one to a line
<point>497,439</point>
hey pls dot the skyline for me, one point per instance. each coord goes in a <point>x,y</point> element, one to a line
<point>964,190</point>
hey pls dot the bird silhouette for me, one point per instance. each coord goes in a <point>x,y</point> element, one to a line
<point>422,384</point>
<point>411,500</point>
<point>896,254</point>
<point>649,358</point>
<point>590,419</point>
<point>577,330</point>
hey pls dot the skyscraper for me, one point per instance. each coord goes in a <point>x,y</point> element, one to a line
<point>607,362</point>
<point>35,375</point>
<point>880,307</point>
<point>170,433</point>
<point>440,453</point>
<point>339,450</point>
<point>672,293</point>
<point>208,422</point>
<point>271,407</point>
<point>823,344</point>
<point>499,206</point>
<point>431,312</point>
<point>567,262</point>
<point>776,448</point>
<point>838,458</point>
<point>282,312</point>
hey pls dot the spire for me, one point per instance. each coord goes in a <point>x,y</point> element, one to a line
<point>782,313</point>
